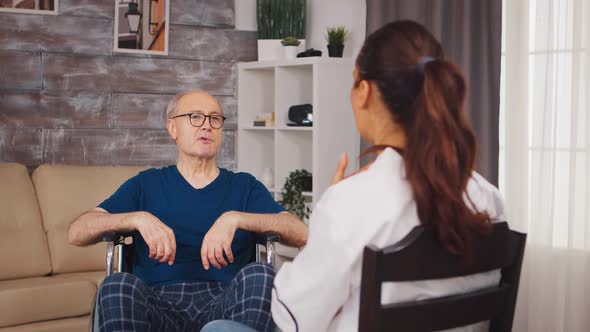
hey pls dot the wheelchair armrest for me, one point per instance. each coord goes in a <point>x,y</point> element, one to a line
<point>109,237</point>
<point>272,237</point>
<point>113,239</point>
<point>269,239</point>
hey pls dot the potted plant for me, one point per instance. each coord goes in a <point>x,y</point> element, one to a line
<point>292,198</point>
<point>276,20</point>
<point>336,36</point>
<point>290,46</point>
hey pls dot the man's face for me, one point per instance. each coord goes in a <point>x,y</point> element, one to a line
<point>203,141</point>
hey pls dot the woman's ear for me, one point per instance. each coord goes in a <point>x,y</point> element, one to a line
<point>364,93</point>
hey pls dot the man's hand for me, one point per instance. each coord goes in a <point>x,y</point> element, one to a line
<point>159,237</point>
<point>218,240</point>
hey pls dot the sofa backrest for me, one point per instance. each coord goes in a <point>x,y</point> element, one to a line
<point>65,192</point>
<point>23,245</point>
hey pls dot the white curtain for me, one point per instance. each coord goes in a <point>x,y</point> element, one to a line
<point>544,157</point>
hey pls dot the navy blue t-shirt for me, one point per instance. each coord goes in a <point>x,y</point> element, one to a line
<point>190,212</point>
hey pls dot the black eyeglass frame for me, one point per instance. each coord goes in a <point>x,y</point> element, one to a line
<point>205,116</point>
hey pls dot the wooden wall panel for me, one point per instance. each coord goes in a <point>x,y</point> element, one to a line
<point>55,33</point>
<point>65,97</point>
<point>139,110</point>
<point>20,70</point>
<point>212,44</point>
<point>227,156</point>
<point>109,147</point>
<point>120,147</point>
<point>132,74</point>
<point>159,75</point>
<point>22,145</point>
<point>38,109</point>
<point>93,8</point>
<point>77,72</point>
<point>212,13</point>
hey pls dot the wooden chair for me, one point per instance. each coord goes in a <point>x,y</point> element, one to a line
<point>420,256</point>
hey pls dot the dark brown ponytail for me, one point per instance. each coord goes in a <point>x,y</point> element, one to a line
<point>426,96</point>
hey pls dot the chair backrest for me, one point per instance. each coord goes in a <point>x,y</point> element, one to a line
<point>420,256</point>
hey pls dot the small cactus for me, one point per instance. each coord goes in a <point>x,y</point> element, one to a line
<point>290,41</point>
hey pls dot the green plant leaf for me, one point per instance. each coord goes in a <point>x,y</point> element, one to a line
<point>280,18</point>
<point>292,193</point>
<point>337,34</point>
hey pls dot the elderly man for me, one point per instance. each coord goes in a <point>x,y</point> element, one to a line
<point>195,224</point>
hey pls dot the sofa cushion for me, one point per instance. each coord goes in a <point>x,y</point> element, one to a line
<point>22,238</point>
<point>65,192</point>
<point>94,277</point>
<point>38,299</point>
<point>61,325</point>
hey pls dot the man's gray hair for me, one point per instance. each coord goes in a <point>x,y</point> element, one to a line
<point>171,108</point>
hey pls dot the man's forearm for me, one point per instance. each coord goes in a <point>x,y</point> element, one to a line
<point>292,230</point>
<point>88,227</point>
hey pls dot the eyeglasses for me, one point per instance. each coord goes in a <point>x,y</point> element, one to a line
<point>198,119</point>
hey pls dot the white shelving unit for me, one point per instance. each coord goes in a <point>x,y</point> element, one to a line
<point>269,86</point>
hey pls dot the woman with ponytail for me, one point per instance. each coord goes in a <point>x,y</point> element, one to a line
<point>407,100</point>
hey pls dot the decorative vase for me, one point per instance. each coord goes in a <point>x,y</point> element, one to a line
<point>335,50</point>
<point>290,52</point>
<point>267,178</point>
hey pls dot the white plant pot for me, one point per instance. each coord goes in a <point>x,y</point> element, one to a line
<point>290,52</point>
<point>272,49</point>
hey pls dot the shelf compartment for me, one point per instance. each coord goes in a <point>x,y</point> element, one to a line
<point>256,150</point>
<point>294,150</point>
<point>256,94</point>
<point>294,87</point>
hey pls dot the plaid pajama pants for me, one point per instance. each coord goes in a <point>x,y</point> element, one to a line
<point>127,304</point>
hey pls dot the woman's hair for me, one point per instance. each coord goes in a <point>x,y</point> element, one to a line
<point>425,95</point>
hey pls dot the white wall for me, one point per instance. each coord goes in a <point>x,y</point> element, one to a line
<point>245,15</point>
<point>320,15</point>
<point>324,13</point>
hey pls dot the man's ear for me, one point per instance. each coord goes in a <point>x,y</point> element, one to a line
<point>171,129</point>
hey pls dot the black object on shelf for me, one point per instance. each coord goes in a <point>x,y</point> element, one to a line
<point>335,50</point>
<point>309,53</point>
<point>306,124</point>
<point>259,123</point>
<point>301,115</point>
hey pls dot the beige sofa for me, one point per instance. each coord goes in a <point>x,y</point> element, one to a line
<point>46,284</point>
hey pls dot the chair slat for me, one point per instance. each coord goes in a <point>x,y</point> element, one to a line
<point>447,312</point>
<point>490,251</point>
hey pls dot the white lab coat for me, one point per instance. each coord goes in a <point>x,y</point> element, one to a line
<point>320,289</point>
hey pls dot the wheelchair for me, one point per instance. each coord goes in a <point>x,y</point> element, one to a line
<point>126,252</point>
